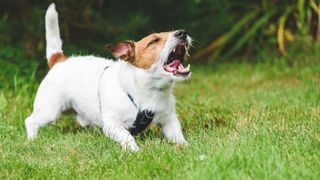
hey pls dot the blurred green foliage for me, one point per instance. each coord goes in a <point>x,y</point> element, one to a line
<point>221,28</point>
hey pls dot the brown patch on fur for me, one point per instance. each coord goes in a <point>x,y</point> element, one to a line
<point>142,53</point>
<point>146,55</point>
<point>56,58</point>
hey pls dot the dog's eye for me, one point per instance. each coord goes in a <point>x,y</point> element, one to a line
<point>153,41</point>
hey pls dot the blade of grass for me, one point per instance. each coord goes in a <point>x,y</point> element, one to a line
<point>314,5</point>
<point>301,17</point>
<point>281,30</point>
<point>316,8</point>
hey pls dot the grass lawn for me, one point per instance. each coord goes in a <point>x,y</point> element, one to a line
<point>243,121</point>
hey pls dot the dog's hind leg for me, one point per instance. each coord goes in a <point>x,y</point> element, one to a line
<point>47,107</point>
<point>39,119</point>
<point>82,121</point>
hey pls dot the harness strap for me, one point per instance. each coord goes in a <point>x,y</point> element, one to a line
<point>99,96</point>
<point>131,99</point>
<point>143,119</point>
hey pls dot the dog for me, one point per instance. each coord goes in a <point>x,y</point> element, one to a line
<point>122,97</point>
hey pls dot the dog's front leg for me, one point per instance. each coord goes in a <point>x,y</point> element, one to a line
<point>115,131</point>
<point>172,130</point>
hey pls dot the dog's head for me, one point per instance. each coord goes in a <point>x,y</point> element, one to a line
<point>162,54</point>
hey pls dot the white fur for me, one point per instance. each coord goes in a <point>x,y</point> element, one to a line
<point>54,43</point>
<point>76,82</point>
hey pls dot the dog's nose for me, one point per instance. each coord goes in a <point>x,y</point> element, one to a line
<point>181,33</point>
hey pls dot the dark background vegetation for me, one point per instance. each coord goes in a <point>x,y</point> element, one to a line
<point>221,28</point>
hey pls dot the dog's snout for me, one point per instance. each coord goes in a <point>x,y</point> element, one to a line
<point>181,33</point>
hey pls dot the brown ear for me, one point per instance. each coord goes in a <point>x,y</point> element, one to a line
<point>123,50</point>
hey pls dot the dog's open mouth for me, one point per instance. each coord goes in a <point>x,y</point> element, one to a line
<point>176,58</point>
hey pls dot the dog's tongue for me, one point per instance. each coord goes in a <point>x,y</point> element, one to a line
<point>175,63</point>
<point>176,67</point>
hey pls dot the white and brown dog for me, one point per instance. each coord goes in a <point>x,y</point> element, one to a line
<point>122,97</point>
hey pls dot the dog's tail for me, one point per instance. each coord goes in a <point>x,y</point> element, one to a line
<point>54,52</point>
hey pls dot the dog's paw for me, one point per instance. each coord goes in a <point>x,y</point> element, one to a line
<point>178,140</point>
<point>31,133</point>
<point>182,142</point>
<point>131,146</point>
<point>31,129</point>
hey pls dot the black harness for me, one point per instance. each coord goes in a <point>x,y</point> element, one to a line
<point>143,119</point>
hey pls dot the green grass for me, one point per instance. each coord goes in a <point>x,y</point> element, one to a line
<point>243,121</point>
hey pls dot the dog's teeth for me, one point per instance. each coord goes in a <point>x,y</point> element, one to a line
<point>188,67</point>
<point>174,50</point>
